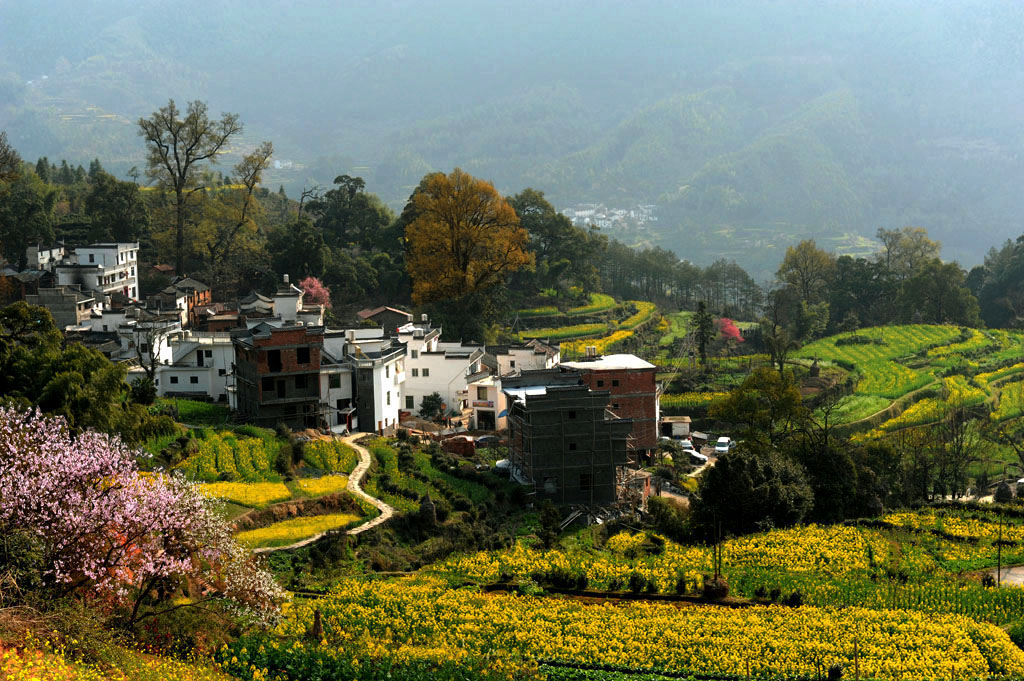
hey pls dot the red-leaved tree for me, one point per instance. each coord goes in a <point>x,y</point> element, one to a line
<point>728,330</point>
<point>110,533</point>
<point>315,293</point>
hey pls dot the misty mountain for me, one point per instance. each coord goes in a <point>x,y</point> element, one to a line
<point>749,124</point>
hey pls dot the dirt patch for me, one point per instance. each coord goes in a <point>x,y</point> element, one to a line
<point>295,508</point>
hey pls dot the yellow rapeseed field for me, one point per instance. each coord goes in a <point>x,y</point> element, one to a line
<point>254,494</point>
<point>422,620</point>
<point>295,529</point>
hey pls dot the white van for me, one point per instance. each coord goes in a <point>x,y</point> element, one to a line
<point>723,445</point>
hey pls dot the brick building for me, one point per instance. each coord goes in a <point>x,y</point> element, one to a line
<point>633,392</point>
<point>277,374</point>
<point>563,442</point>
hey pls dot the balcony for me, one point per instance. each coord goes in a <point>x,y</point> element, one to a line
<point>399,377</point>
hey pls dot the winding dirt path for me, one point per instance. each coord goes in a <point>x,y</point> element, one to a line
<point>355,480</point>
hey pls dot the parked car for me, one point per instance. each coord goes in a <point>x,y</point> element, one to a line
<point>723,445</point>
<point>685,443</point>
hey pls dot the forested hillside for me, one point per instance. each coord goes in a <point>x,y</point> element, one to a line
<point>751,126</point>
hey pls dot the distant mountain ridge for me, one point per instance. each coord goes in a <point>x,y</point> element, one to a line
<point>750,125</point>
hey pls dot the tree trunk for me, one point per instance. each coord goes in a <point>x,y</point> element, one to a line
<point>179,239</point>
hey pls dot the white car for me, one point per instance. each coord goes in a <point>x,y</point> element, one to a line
<point>685,443</point>
<point>723,445</point>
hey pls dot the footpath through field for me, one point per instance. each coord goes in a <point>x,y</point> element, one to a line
<point>354,486</point>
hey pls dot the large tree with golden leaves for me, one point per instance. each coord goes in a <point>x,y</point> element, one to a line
<point>465,237</point>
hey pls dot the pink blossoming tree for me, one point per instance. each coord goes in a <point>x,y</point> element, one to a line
<point>111,533</point>
<point>729,331</point>
<point>315,292</point>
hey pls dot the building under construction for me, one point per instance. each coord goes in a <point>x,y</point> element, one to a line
<point>565,444</point>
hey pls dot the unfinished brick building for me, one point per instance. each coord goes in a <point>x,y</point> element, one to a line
<point>633,392</point>
<point>563,442</point>
<point>277,375</point>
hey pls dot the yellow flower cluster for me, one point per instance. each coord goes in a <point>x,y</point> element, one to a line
<point>985,378</point>
<point>604,345</point>
<point>975,341</point>
<point>330,455</point>
<point>957,525</point>
<point>564,332</point>
<point>1011,402</point>
<point>121,664</point>
<point>960,393</point>
<point>328,484</point>
<point>294,530</point>
<point>415,620</point>
<point>242,457</point>
<point>889,379</point>
<point>690,400</point>
<point>644,311</point>
<point>828,550</point>
<point>923,411</point>
<point>253,494</point>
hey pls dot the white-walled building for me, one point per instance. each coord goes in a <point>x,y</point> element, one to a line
<point>433,366</point>
<point>377,366</point>
<point>529,356</point>
<point>200,366</point>
<point>104,269</point>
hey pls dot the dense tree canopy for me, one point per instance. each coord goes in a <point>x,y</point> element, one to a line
<point>465,238</point>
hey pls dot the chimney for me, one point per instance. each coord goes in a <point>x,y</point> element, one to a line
<point>286,278</point>
<point>591,352</point>
<point>424,318</point>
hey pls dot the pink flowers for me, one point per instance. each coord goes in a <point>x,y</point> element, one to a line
<point>314,292</point>
<point>112,531</point>
<point>727,328</point>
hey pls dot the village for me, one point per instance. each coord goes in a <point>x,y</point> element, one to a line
<point>578,432</point>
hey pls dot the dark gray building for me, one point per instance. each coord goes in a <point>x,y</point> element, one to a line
<point>564,443</point>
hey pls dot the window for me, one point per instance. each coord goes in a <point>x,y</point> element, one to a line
<point>174,380</point>
<point>387,371</point>
<point>268,384</point>
<point>615,405</point>
<point>426,372</point>
<point>208,353</point>
<point>222,372</point>
<point>410,402</point>
<point>572,446</point>
<point>92,258</point>
<point>571,415</point>
<point>144,347</point>
<point>615,383</point>
<point>274,360</point>
<point>194,380</point>
<point>512,364</point>
<point>600,384</point>
<point>334,381</point>
<point>104,327</point>
<point>586,482</point>
<point>302,355</point>
<point>300,382</point>
<point>481,393</point>
<point>415,354</point>
<point>415,372</point>
<point>389,397</point>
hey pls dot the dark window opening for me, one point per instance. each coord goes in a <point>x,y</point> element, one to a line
<point>600,384</point>
<point>410,402</point>
<point>268,384</point>
<point>282,391</point>
<point>586,481</point>
<point>300,382</point>
<point>572,415</point>
<point>194,380</point>
<point>615,383</point>
<point>334,381</point>
<point>572,446</point>
<point>302,355</point>
<point>174,379</point>
<point>274,360</point>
